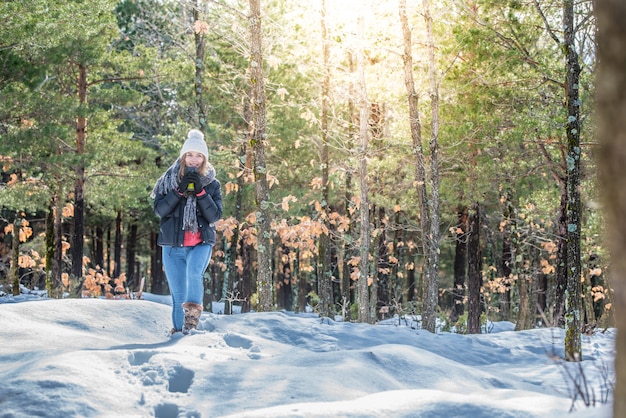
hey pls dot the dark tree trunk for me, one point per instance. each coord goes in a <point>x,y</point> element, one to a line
<point>131,252</point>
<point>506,268</point>
<point>54,284</point>
<point>573,320</point>
<point>14,272</point>
<point>117,251</point>
<point>460,264</point>
<point>474,276</point>
<point>302,283</point>
<point>99,247</point>
<point>246,276</point>
<point>50,282</point>
<point>284,280</point>
<point>324,269</point>
<point>157,283</point>
<point>57,265</point>
<point>109,264</point>
<point>79,196</point>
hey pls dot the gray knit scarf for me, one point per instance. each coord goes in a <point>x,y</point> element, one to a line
<point>169,180</point>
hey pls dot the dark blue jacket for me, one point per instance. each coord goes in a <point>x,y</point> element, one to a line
<point>171,206</point>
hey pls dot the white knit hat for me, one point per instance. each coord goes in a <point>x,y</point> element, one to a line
<point>195,142</point>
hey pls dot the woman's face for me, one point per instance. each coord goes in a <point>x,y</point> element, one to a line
<point>194,159</point>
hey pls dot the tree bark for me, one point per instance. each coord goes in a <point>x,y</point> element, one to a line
<point>246,276</point>
<point>429,309</point>
<point>259,141</point>
<point>474,274</point>
<point>460,264</point>
<point>14,272</point>
<point>324,268</point>
<point>157,281</point>
<point>431,289</point>
<point>98,256</point>
<point>347,286</point>
<point>611,85</point>
<point>117,250</point>
<point>507,256</point>
<point>79,185</point>
<point>380,292</point>
<point>131,253</point>
<point>364,239</point>
<point>573,314</point>
<point>54,284</point>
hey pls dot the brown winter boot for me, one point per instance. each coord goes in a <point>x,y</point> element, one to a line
<point>192,316</point>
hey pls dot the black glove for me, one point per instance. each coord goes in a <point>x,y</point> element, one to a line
<point>190,184</point>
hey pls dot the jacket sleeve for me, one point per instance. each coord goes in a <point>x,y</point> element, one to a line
<point>210,203</point>
<point>164,205</point>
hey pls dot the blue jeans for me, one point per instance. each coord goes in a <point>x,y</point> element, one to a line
<point>184,268</point>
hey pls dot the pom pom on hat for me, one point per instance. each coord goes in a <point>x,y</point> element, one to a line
<point>195,142</point>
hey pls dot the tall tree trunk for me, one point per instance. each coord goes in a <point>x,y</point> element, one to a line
<point>347,286</point>
<point>611,85</point>
<point>474,274</point>
<point>199,39</point>
<point>460,264</point>
<point>429,310</point>
<point>57,265</point>
<point>259,141</point>
<point>324,269</point>
<point>374,287</point>
<point>573,319</point>
<point>79,186</point>
<point>364,239</point>
<point>431,288</point>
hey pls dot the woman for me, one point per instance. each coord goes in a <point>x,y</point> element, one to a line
<point>188,201</point>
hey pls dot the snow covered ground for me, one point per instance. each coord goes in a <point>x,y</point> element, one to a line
<point>105,358</point>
